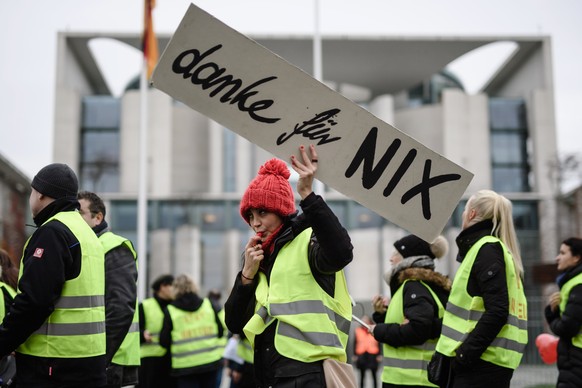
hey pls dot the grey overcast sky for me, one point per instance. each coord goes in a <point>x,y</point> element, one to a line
<point>28,32</point>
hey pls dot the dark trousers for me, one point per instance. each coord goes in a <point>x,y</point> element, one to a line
<point>482,374</point>
<point>199,380</point>
<point>154,372</point>
<point>120,376</point>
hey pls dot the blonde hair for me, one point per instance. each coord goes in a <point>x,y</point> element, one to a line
<point>490,205</point>
<point>184,284</point>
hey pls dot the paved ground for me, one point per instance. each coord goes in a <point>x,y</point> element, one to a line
<point>526,376</point>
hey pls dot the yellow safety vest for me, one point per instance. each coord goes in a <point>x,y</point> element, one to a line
<point>154,320</point>
<point>222,341</point>
<point>76,328</point>
<point>406,365</point>
<point>11,292</point>
<point>311,325</point>
<point>194,336</point>
<point>245,351</point>
<point>564,295</point>
<point>128,352</point>
<point>463,311</point>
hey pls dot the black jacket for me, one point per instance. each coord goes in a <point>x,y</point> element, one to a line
<point>566,326</point>
<point>419,308</point>
<point>330,251</point>
<point>120,293</point>
<point>40,287</point>
<point>488,281</point>
<point>188,302</point>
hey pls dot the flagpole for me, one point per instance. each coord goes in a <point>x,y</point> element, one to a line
<point>142,200</point>
<point>318,186</point>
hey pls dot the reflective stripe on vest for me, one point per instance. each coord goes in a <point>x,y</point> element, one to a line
<point>507,348</point>
<point>194,336</point>
<point>406,365</point>
<point>154,320</point>
<point>564,295</point>
<point>311,325</point>
<point>76,327</point>
<point>128,352</point>
<point>11,292</point>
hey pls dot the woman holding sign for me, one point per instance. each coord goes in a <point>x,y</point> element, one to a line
<point>564,313</point>
<point>485,322</point>
<point>290,299</point>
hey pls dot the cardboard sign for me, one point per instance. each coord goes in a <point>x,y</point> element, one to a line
<point>250,90</point>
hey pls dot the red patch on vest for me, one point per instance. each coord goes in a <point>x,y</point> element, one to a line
<point>38,252</point>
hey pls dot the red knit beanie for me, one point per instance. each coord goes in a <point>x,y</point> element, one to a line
<point>270,190</point>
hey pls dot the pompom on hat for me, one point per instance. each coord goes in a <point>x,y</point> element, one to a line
<point>269,190</point>
<point>57,180</point>
<point>412,245</point>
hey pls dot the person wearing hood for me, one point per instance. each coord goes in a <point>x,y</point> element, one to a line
<point>485,322</point>
<point>56,323</point>
<point>410,324</point>
<point>290,299</point>
<point>121,317</point>
<point>192,331</point>
<point>564,313</point>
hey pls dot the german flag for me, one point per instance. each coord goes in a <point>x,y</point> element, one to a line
<point>149,40</point>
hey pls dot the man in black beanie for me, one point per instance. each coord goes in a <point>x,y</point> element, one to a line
<point>156,362</point>
<point>56,324</point>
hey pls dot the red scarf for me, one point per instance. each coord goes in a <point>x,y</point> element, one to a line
<point>268,245</point>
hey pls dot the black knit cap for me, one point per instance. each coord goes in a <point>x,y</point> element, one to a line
<point>56,181</point>
<point>413,246</point>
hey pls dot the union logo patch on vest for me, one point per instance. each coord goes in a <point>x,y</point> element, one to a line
<point>38,253</point>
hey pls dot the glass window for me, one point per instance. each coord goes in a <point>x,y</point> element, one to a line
<point>100,141</point>
<point>101,112</point>
<point>510,179</point>
<point>173,215</point>
<point>212,216</point>
<point>507,147</point>
<point>509,156</point>
<point>99,178</point>
<point>507,113</point>
<point>100,147</point>
<point>123,215</point>
<point>525,215</point>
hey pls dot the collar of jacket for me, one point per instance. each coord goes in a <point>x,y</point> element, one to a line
<point>293,227</point>
<point>101,228</point>
<point>428,276</point>
<point>65,204</point>
<point>468,237</point>
<point>569,274</point>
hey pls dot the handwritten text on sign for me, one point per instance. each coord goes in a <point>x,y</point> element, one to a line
<point>252,91</point>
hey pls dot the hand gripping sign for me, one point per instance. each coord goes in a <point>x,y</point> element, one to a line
<point>250,90</point>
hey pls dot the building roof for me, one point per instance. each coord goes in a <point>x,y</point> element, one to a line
<point>12,176</point>
<point>402,61</point>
